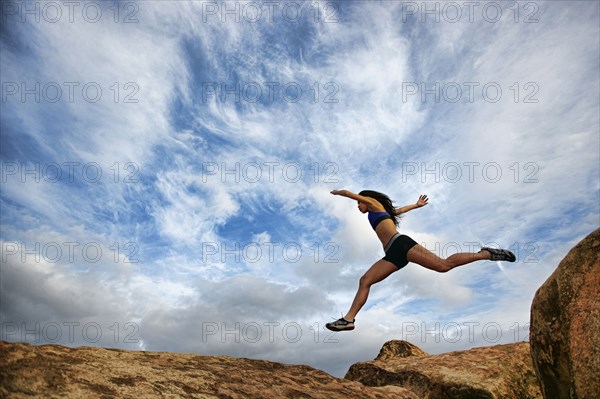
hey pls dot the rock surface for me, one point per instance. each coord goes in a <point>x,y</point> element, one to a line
<point>501,371</point>
<point>399,349</point>
<point>53,371</point>
<point>565,325</point>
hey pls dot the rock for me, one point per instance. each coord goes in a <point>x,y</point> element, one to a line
<point>53,371</point>
<point>501,371</point>
<point>397,349</point>
<point>565,325</point>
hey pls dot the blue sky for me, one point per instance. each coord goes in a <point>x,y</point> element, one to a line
<point>166,169</point>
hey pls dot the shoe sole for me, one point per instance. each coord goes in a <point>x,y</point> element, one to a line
<point>337,330</point>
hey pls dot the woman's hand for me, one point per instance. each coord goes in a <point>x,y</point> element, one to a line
<point>337,192</point>
<point>422,201</point>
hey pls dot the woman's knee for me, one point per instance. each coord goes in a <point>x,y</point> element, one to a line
<point>444,266</point>
<point>438,265</point>
<point>429,260</point>
<point>444,269</point>
<point>365,281</point>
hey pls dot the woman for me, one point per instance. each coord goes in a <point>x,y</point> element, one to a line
<point>399,249</point>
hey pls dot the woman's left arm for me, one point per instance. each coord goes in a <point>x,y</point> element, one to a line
<point>420,203</point>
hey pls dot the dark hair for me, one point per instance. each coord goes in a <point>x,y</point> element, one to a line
<point>384,200</point>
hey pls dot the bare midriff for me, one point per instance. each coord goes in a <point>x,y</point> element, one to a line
<point>385,230</point>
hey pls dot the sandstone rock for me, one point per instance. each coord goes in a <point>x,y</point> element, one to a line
<point>397,349</point>
<point>53,371</point>
<point>501,371</point>
<point>565,325</point>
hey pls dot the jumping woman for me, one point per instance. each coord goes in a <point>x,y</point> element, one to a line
<point>399,249</point>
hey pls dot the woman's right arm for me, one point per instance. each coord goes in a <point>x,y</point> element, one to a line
<point>349,194</point>
<point>343,193</point>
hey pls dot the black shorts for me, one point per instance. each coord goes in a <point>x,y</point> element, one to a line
<point>397,248</point>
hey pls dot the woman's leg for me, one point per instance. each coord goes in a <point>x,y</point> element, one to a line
<point>379,271</point>
<point>422,256</point>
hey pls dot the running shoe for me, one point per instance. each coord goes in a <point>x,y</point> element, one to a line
<point>340,325</point>
<point>500,254</point>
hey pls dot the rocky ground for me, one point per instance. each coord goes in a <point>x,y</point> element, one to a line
<point>53,371</point>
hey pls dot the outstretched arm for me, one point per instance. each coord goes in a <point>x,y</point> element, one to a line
<point>372,203</point>
<point>351,195</point>
<point>420,203</point>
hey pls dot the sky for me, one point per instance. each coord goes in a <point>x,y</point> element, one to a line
<point>167,168</point>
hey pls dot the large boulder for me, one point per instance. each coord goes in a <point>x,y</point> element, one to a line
<point>53,371</point>
<point>565,325</point>
<point>496,372</point>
